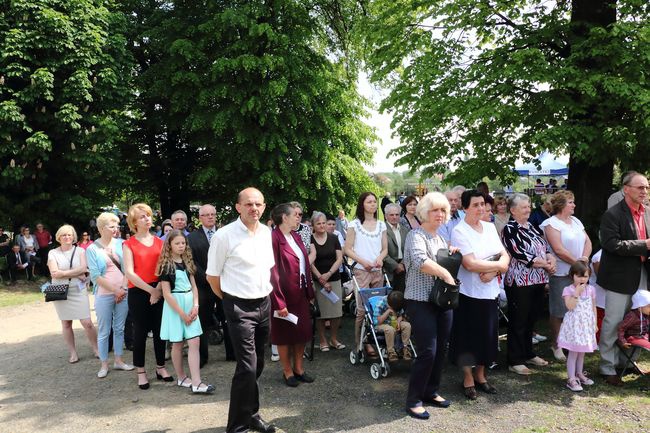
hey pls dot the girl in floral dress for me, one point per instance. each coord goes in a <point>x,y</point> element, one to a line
<point>578,330</point>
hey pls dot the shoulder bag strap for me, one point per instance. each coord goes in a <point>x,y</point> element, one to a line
<point>71,259</point>
<point>110,256</point>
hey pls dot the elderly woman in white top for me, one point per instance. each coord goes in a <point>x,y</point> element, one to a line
<point>110,284</point>
<point>474,335</point>
<point>67,265</point>
<point>430,325</point>
<point>569,243</point>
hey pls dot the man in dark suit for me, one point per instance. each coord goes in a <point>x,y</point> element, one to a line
<point>18,262</point>
<point>199,242</point>
<point>624,266</point>
<point>396,235</point>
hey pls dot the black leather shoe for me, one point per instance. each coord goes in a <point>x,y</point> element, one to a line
<point>438,403</point>
<point>416,415</point>
<point>470,392</point>
<point>304,377</point>
<point>486,388</point>
<point>291,381</point>
<point>258,424</point>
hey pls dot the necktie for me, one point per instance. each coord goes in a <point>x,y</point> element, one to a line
<point>18,259</point>
<point>210,233</point>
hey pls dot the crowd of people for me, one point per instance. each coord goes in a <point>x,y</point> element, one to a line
<point>258,280</point>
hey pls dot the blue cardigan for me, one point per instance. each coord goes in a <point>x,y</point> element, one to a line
<point>97,261</point>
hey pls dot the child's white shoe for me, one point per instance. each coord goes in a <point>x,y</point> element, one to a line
<point>584,380</point>
<point>574,385</point>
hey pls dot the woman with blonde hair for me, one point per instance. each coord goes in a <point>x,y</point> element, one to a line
<point>67,265</point>
<point>105,263</point>
<point>430,325</point>
<point>569,242</point>
<point>501,214</point>
<point>141,253</point>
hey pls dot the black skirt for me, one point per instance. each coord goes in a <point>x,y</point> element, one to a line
<point>475,332</point>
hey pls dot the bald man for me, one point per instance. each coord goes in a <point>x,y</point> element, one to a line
<point>240,259</point>
<point>209,304</point>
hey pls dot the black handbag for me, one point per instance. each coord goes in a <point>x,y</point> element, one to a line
<point>58,292</point>
<point>444,295</point>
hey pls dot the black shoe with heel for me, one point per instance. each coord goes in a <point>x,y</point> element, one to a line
<point>144,385</point>
<point>169,378</point>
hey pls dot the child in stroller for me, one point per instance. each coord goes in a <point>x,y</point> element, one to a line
<point>388,317</point>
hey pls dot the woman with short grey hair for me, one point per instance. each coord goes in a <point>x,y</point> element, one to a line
<point>430,326</point>
<point>325,256</point>
<point>528,272</point>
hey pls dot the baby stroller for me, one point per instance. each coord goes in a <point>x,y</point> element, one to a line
<point>370,335</point>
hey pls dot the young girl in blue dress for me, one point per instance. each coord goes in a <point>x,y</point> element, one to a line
<point>578,330</point>
<point>180,312</point>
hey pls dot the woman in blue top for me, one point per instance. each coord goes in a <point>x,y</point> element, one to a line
<point>104,258</point>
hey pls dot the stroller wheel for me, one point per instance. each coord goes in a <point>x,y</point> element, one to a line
<point>352,308</point>
<point>385,370</point>
<point>375,371</point>
<point>384,353</point>
<point>353,357</point>
<point>361,357</point>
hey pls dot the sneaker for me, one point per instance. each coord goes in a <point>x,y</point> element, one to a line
<point>574,385</point>
<point>275,357</point>
<point>558,354</point>
<point>584,380</point>
<point>102,373</point>
<point>392,356</point>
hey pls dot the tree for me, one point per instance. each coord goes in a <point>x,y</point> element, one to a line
<point>64,81</point>
<point>477,85</point>
<point>245,93</point>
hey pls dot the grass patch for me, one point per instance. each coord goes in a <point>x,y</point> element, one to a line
<point>23,292</point>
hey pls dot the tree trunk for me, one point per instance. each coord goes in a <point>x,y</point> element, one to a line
<point>591,186</point>
<point>590,182</point>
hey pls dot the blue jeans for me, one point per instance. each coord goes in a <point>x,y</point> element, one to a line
<point>108,312</point>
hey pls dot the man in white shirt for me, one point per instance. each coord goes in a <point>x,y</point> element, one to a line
<point>396,235</point>
<point>240,259</point>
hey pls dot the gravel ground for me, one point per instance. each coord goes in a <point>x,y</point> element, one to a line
<point>40,391</point>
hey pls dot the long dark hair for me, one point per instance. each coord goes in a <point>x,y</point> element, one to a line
<point>406,201</point>
<point>361,215</point>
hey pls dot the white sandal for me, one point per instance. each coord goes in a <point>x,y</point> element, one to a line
<point>202,389</point>
<point>183,383</point>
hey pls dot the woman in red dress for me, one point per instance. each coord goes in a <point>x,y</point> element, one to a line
<point>292,293</point>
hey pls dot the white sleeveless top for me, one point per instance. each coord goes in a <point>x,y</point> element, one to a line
<point>367,245</point>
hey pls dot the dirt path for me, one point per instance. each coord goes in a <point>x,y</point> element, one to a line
<point>40,391</point>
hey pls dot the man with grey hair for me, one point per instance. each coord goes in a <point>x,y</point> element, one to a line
<point>209,304</point>
<point>455,214</point>
<point>179,222</point>
<point>624,265</point>
<point>396,235</point>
